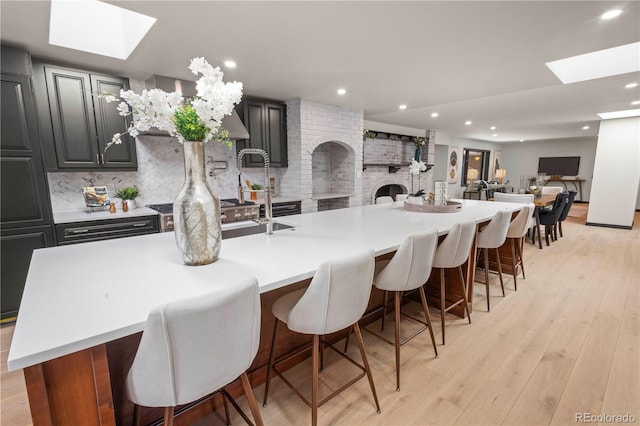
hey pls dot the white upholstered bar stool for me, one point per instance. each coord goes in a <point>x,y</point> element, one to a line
<point>409,269</point>
<point>513,198</point>
<point>515,234</point>
<point>402,197</point>
<point>384,200</point>
<point>551,190</point>
<point>193,347</point>
<point>451,253</point>
<point>335,299</point>
<point>492,236</point>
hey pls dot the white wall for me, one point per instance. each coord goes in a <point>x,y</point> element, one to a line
<point>616,174</point>
<point>443,142</point>
<point>521,159</point>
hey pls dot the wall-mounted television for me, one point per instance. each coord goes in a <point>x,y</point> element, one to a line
<point>563,166</point>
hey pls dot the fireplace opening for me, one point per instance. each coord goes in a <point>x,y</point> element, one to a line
<point>390,190</point>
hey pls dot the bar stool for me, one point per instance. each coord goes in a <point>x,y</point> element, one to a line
<point>402,197</point>
<point>516,232</point>
<point>190,348</point>
<point>452,252</point>
<point>335,299</point>
<point>384,200</point>
<point>409,269</point>
<point>493,236</point>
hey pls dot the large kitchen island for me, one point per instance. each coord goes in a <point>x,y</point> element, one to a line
<point>85,305</point>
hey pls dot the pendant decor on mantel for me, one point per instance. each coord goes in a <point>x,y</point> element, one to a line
<point>418,155</point>
<point>196,211</point>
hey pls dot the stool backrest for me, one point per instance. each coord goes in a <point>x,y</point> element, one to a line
<point>401,197</point>
<point>337,296</point>
<point>551,190</point>
<point>411,266</point>
<point>518,226</point>
<point>513,198</point>
<point>384,200</point>
<point>454,250</point>
<point>495,233</point>
<point>195,346</point>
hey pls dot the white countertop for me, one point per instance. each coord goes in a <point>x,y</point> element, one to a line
<point>83,216</point>
<point>82,295</point>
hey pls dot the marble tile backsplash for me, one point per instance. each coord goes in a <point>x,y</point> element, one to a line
<point>159,177</point>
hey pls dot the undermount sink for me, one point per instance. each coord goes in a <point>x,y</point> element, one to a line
<point>253,229</point>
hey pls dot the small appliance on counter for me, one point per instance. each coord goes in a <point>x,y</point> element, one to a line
<point>231,211</point>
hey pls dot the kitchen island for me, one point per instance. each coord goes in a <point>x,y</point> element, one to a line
<point>85,305</point>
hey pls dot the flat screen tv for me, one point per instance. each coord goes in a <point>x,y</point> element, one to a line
<point>563,166</point>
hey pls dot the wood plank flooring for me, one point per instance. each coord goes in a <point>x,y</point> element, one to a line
<point>567,342</point>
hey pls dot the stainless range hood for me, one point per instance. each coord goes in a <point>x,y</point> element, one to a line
<point>231,123</point>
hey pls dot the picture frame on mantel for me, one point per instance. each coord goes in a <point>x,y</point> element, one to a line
<point>497,163</point>
<point>453,164</point>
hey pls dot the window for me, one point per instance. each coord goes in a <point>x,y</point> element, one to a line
<point>475,166</point>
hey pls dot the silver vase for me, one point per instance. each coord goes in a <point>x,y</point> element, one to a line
<point>196,211</point>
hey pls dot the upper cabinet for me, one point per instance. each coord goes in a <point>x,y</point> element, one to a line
<point>76,124</point>
<point>266,121</point>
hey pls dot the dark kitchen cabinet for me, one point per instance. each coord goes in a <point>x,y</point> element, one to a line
<point>77,124</point>
<point>97,230</point>
<point>266,122</point>
<point>25,208</point>
<point>283,209</point>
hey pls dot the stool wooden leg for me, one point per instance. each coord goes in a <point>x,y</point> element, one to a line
<point>514,264</point>
<point>168,416</point>
<point>253,405</point>
<point>365,361</point>
<point>464,293</point>
<point>425,307</point>
<point>137,415</point>
<point>500,272</point>
<point>321,353</point>
<point>314,379</point>
<point>397,297</point>
<point>519,250</point>
<point>442,301</point>
<point>485,253</point>
<point>226,407</point>
<point>384,310</point>
<point>272,354</point>
<point>346,342</point>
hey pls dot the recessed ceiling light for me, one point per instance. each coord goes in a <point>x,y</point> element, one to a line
<point>467,123</point>
<point>631,85</point>
<point>434,114</point>
<point>613,13</point>
<point>403,106</point>
<point>495,134</point>
<point>620,114</point>
<point>341,91</point>
<point>492,128</point>
<point>602,63</point>
<point>230,64</point>
<point>635,103</point>
<point>585,127</point>
<point>96,27</point>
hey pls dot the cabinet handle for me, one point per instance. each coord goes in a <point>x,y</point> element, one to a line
<point>139,224</point>
<point>101,158</point>
<point>79,231</point>
<point>98,159</point>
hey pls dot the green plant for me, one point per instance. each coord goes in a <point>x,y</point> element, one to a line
<point>256,186</point>
<point>127,193</point>
<point>367,134</point>
<point>419,141</point>
<point>418,193</point>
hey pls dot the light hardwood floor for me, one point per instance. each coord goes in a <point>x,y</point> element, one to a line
<point>566,342</point>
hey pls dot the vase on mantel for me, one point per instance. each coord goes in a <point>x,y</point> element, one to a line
<point>418,154</point>
<point>196,211</point>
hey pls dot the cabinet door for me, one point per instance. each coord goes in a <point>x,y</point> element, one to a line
<point>254,122</point>
<point>25,201</point>
<point>110,122</point>
<point>16,248</point>
<point>276,133</point>
<point>72,118</point>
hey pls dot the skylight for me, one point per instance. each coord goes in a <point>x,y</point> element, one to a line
<point>619,114</point>
<point>602,63</point>
<point>96,27</point>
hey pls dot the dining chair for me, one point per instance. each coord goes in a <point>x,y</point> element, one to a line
<point>564,214</point>
<point>335,299</point>
<point>191,348</point>
<point>549,218</point>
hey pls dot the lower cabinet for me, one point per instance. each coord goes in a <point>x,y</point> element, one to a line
<point>283,209</point>
<point>82,232</point>
<point>16,248</point>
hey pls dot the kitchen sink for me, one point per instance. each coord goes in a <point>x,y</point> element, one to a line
<point>253,229</point>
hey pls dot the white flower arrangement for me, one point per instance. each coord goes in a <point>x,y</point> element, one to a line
<point>417,167</point>
<point>195,120</point>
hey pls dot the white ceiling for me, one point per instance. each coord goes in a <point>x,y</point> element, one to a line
<point>468,60</point>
